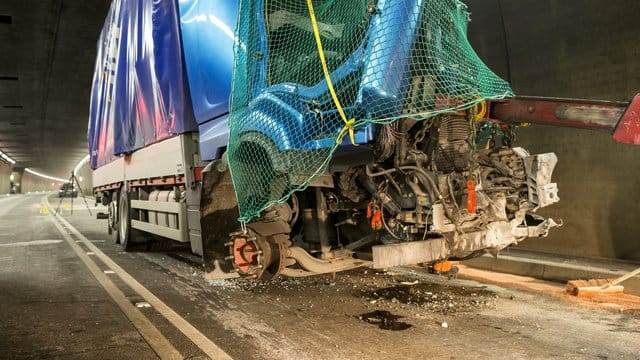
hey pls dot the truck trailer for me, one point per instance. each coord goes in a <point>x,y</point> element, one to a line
<point>305,137</point>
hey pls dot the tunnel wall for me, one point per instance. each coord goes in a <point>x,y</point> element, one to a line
<point>87,179</point>
<point>32,183</point>
<point>580,49</point>
<point>5,172</point>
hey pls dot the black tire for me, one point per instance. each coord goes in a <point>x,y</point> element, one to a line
<point>112,224</point>
<point>128,236</point>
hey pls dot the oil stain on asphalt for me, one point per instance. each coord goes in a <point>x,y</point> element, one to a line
<point>385,320</point>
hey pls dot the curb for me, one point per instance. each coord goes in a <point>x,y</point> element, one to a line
<point>557,268</point>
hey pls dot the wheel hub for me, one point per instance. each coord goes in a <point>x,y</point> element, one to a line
<point>246,255</point>
<point>255,256</point>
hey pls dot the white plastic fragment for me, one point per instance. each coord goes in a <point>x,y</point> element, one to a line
<point>109,272</point>
<point>143,304</point>
<point>415,282</point>
<point>444,325</point>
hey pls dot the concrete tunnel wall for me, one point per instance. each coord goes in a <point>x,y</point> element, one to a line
<point>32,183</point>
<point>5,172</point>
<point>29,183</point>
<point>87,179</point>
<point>581,49</point>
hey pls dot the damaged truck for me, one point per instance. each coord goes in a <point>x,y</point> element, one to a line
<point>313,136</point>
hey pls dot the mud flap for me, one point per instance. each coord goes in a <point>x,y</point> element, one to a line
<point>218,218</point>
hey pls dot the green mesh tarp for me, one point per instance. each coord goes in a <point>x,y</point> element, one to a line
<point>383,60</point>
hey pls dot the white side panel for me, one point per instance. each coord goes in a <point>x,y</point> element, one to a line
<point>110,173</point>
<point>161,159</point>
<point>174,234</point>
<point>170,207</point>
<point>162,227</point>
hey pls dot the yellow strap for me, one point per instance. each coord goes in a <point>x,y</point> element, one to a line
<point>348,124</point>
<point>482,111</point>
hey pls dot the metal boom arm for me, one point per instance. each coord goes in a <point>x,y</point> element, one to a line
<point>620,118</point>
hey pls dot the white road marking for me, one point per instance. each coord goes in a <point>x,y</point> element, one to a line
<point>6,258</point>
<point>199,339</point>
<point>7,234</point>
<point>160,345</point>
<point>32,243</point>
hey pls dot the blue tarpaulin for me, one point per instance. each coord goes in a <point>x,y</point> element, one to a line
<point>139,94</point>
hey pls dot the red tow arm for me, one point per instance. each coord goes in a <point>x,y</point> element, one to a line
<point>620,118</point>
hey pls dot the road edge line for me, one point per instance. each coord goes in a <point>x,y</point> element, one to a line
<point>198,338</point>
<point>153,337</point>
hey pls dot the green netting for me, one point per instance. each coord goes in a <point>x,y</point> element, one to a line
<point>387,59</point>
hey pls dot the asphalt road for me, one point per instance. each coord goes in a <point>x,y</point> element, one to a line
<point>67,292</point>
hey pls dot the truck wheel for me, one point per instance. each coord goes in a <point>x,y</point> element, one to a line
<point>128,236</point>
<point>124,219</point>
<point>112,224</point>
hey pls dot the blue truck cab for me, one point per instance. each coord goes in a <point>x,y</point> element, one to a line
<point>282,111</point>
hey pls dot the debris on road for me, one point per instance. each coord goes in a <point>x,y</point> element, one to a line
<point>433,297</point>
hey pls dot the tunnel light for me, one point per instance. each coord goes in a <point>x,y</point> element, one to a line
<point>7,158</point>
<point>35,173</point>
<point>80,163</point>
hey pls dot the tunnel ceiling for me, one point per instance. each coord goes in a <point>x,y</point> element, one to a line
<point>47,50</point>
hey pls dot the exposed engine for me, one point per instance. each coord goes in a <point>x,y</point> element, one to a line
<point>445,183</point>
<point>426,191</point>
